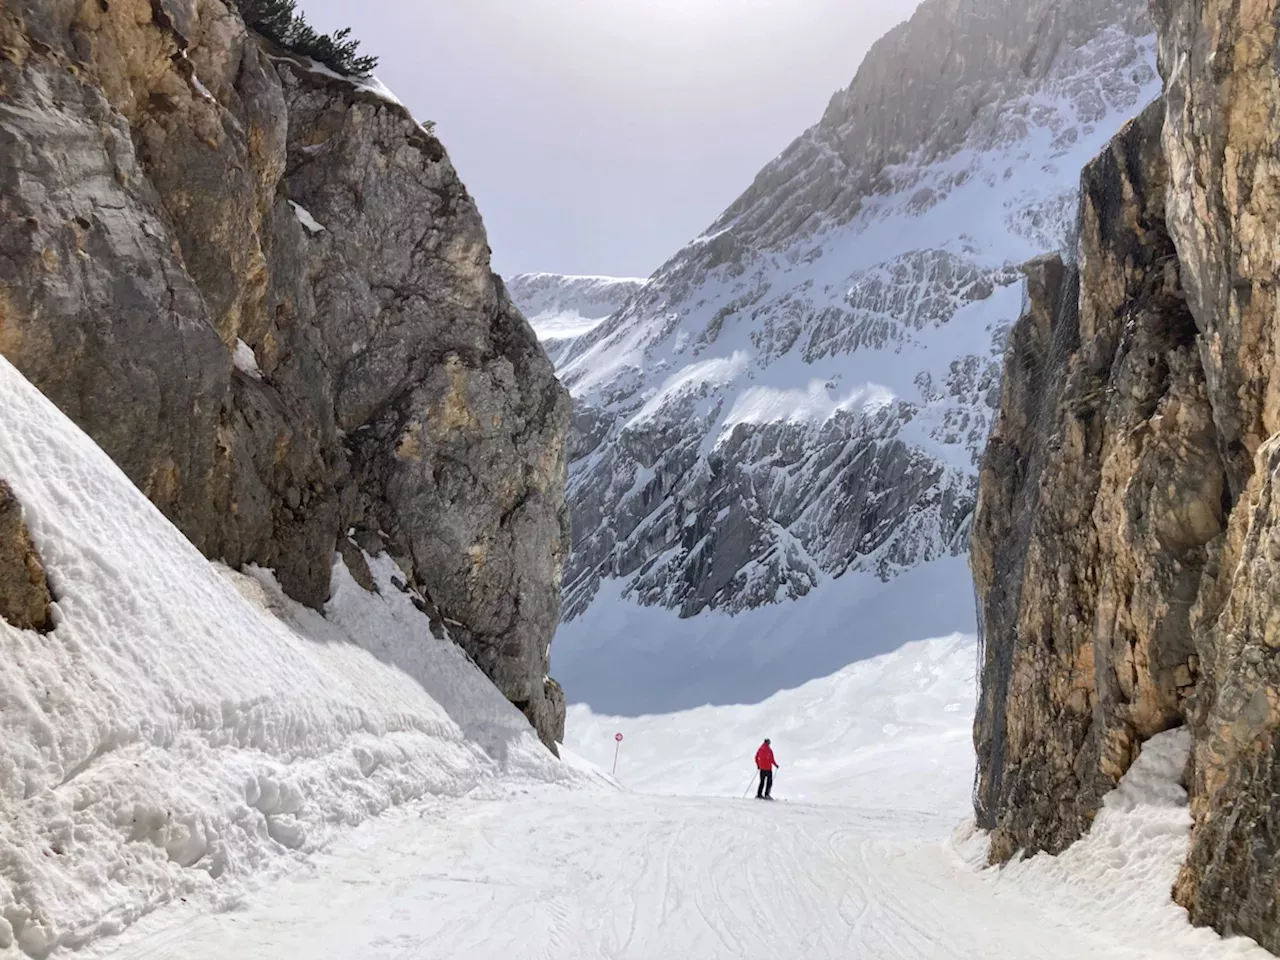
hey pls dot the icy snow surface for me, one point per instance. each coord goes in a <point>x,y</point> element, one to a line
<point>184,729</point>
<point>860,858</point>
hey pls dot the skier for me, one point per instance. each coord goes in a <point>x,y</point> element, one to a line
<point>765,764</point>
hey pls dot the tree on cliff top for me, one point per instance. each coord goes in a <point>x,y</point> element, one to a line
<point>281,22</point>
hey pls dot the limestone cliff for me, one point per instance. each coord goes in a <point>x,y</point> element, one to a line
<point>264,291</point>
<point>1126,541</point>
<point>1091,515</point>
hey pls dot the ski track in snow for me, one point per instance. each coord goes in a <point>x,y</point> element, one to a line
<point>857,872</point>
<point>583,874</point>
<point>620,876</point>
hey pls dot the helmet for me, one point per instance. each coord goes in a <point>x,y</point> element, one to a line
<point>766,739</point>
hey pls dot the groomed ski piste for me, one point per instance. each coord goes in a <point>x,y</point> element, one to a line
<point>192,766</point>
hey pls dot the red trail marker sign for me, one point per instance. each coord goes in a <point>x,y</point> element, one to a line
<point>617,737</point>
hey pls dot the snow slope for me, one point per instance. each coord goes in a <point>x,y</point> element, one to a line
<point>799,398</point>
<point>888,731</point>
<point>184,728</point>
<point>635,876</point>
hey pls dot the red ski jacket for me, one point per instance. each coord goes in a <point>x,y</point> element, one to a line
<point>764,757</point>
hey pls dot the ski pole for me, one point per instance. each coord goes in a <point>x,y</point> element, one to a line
<point>747,792</point>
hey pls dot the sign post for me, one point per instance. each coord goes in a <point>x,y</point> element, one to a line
<point>618,739</point>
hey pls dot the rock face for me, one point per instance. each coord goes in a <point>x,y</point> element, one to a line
<point>803,392</point>
<point>1221,138</point>
<point>266,294</point>
<point>1125,544</point>
<point>24,591</point>
<point>1100,488</point>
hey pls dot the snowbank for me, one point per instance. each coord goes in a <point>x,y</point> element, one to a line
<point>184,728</point>
<point>1119,876</point>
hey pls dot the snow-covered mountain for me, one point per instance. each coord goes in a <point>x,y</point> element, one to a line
<point>796,401</point>
<point>563,308</point>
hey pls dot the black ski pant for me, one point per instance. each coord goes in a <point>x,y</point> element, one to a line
<point>766,783</point>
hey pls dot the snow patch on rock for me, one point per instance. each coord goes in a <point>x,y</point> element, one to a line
<point>245,361</point>
<point>306,219</point>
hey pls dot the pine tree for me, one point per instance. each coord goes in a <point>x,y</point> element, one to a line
<point>281,22</point>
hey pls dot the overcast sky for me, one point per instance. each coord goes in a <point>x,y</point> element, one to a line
<point>599,136</point>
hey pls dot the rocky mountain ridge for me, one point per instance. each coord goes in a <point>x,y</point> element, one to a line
<point>264,291</point>
<point>1124,548</point>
